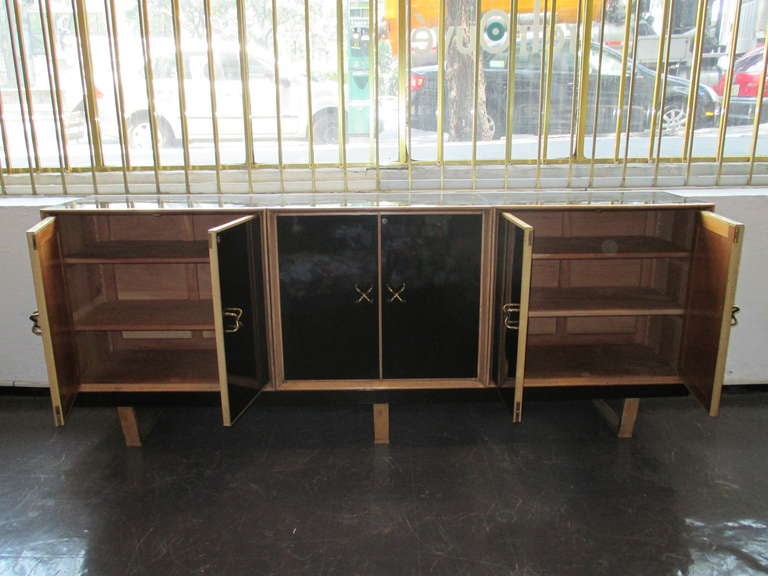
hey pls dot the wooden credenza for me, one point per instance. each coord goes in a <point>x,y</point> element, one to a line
<point>243,294</point>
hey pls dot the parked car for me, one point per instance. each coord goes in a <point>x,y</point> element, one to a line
<point>527,88</point>
<point>745,89</point>
<point>229,103</point>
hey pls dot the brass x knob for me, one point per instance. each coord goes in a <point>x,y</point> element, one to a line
<point>364,295</point>
<point>396,295</point>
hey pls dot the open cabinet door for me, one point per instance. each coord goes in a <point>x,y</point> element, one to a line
<point>53,317</point>
<point>716,254</point>
<point>237,283</point>
<point>513,285</point>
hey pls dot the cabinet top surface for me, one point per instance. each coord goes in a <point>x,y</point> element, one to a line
<point>371,201</point>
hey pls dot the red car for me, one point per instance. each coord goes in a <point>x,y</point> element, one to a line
<point>746,87</point>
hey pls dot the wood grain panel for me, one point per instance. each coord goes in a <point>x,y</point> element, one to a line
<point>716,255</point>
<point>54,316</point>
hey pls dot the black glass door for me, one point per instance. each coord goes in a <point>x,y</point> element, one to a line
<point>430,295</point>
<point>329,296</point>
<point>238,292</point>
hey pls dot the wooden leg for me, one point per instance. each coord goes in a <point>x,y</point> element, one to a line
<point>624,424</point>
<point>381,423</point>
<point>628,417</point>
<point>129,425</point>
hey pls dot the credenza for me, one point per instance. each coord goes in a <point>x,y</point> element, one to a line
<point>240,295</point>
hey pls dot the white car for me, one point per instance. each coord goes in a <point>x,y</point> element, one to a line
<point>294,111</point>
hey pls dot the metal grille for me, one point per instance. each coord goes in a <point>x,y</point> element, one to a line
<point>169,96</point>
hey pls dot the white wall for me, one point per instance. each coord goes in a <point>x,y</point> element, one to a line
<point>747,354</point>
<point>21,354</point>
<point>21,358</point>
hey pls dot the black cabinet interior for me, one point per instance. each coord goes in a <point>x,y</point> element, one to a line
<point>329,296</point>
<point>430,295</point>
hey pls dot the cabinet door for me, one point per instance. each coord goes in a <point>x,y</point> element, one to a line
<point>237,283</point>
<point>716,255</point>
<point>514,257</point>
<point>54,317</point>
<point>430,295</point>
<point>328,296</point>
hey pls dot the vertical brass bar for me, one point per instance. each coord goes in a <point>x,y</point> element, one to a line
<point>117,86</point>
<point>308,72</point>
<point>242,38</point>
<point>4,137</point>
<point>758,114</point>
<point>406,81</point>
<point>342,89</point>
<point>727,92</point>
<point>542,95</point>
<point>6,164</point>
<point>662,63</point>
<point>511,67</point>
<point>441,91</point>
<point>26,121</point>
<point>150,85</point>
<point>212,91</point>
<point>622,82</point>
<point>667,34</point>
<point>631,94</point>
<point>373,51</point>
<point>53,87</point>
<point>575,93</point>
<point>278,111</point>
<point>180,77</point>
<point>585,96</point>
<point>478,57</point>
<point>403,30</point>
<point>89,97</point>
<point>57,81</point>
<point>701,18</point>
<point>548,90</point>
<point>89,90</point>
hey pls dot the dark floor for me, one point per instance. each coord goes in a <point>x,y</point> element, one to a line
<point>460,490</point>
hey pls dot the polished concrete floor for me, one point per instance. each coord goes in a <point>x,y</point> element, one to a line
<point>460,490</point>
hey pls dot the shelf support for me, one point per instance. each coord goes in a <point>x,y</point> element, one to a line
<point>129,425</point>
<point>381,423</point>
<point>623,423</point>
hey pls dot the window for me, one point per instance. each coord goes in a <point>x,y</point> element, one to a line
<point>155,95</point>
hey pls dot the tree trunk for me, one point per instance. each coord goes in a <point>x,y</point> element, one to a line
<point>461,17</point>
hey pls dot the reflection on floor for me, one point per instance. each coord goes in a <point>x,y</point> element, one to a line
<point>460,490</point>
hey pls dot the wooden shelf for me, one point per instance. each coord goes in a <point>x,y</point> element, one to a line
<point>147,315</point>
<point>154,371</point>
<point>625,301</point>
<point>596,365</point>
<point>557,248</point>
<point>141,253</point>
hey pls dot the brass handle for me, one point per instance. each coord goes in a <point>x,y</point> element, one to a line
<point>396,294</point>
<point>735,310</point>
<point>510,310</point>
<point>35,318</point>
<point>364,294</point>
<point>236,315</point>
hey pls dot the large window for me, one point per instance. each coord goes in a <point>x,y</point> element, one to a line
<point>175,95</point>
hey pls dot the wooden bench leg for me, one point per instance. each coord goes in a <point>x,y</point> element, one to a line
<point>129,425</point>
<point>624,424</point>
<point>381,423</point>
